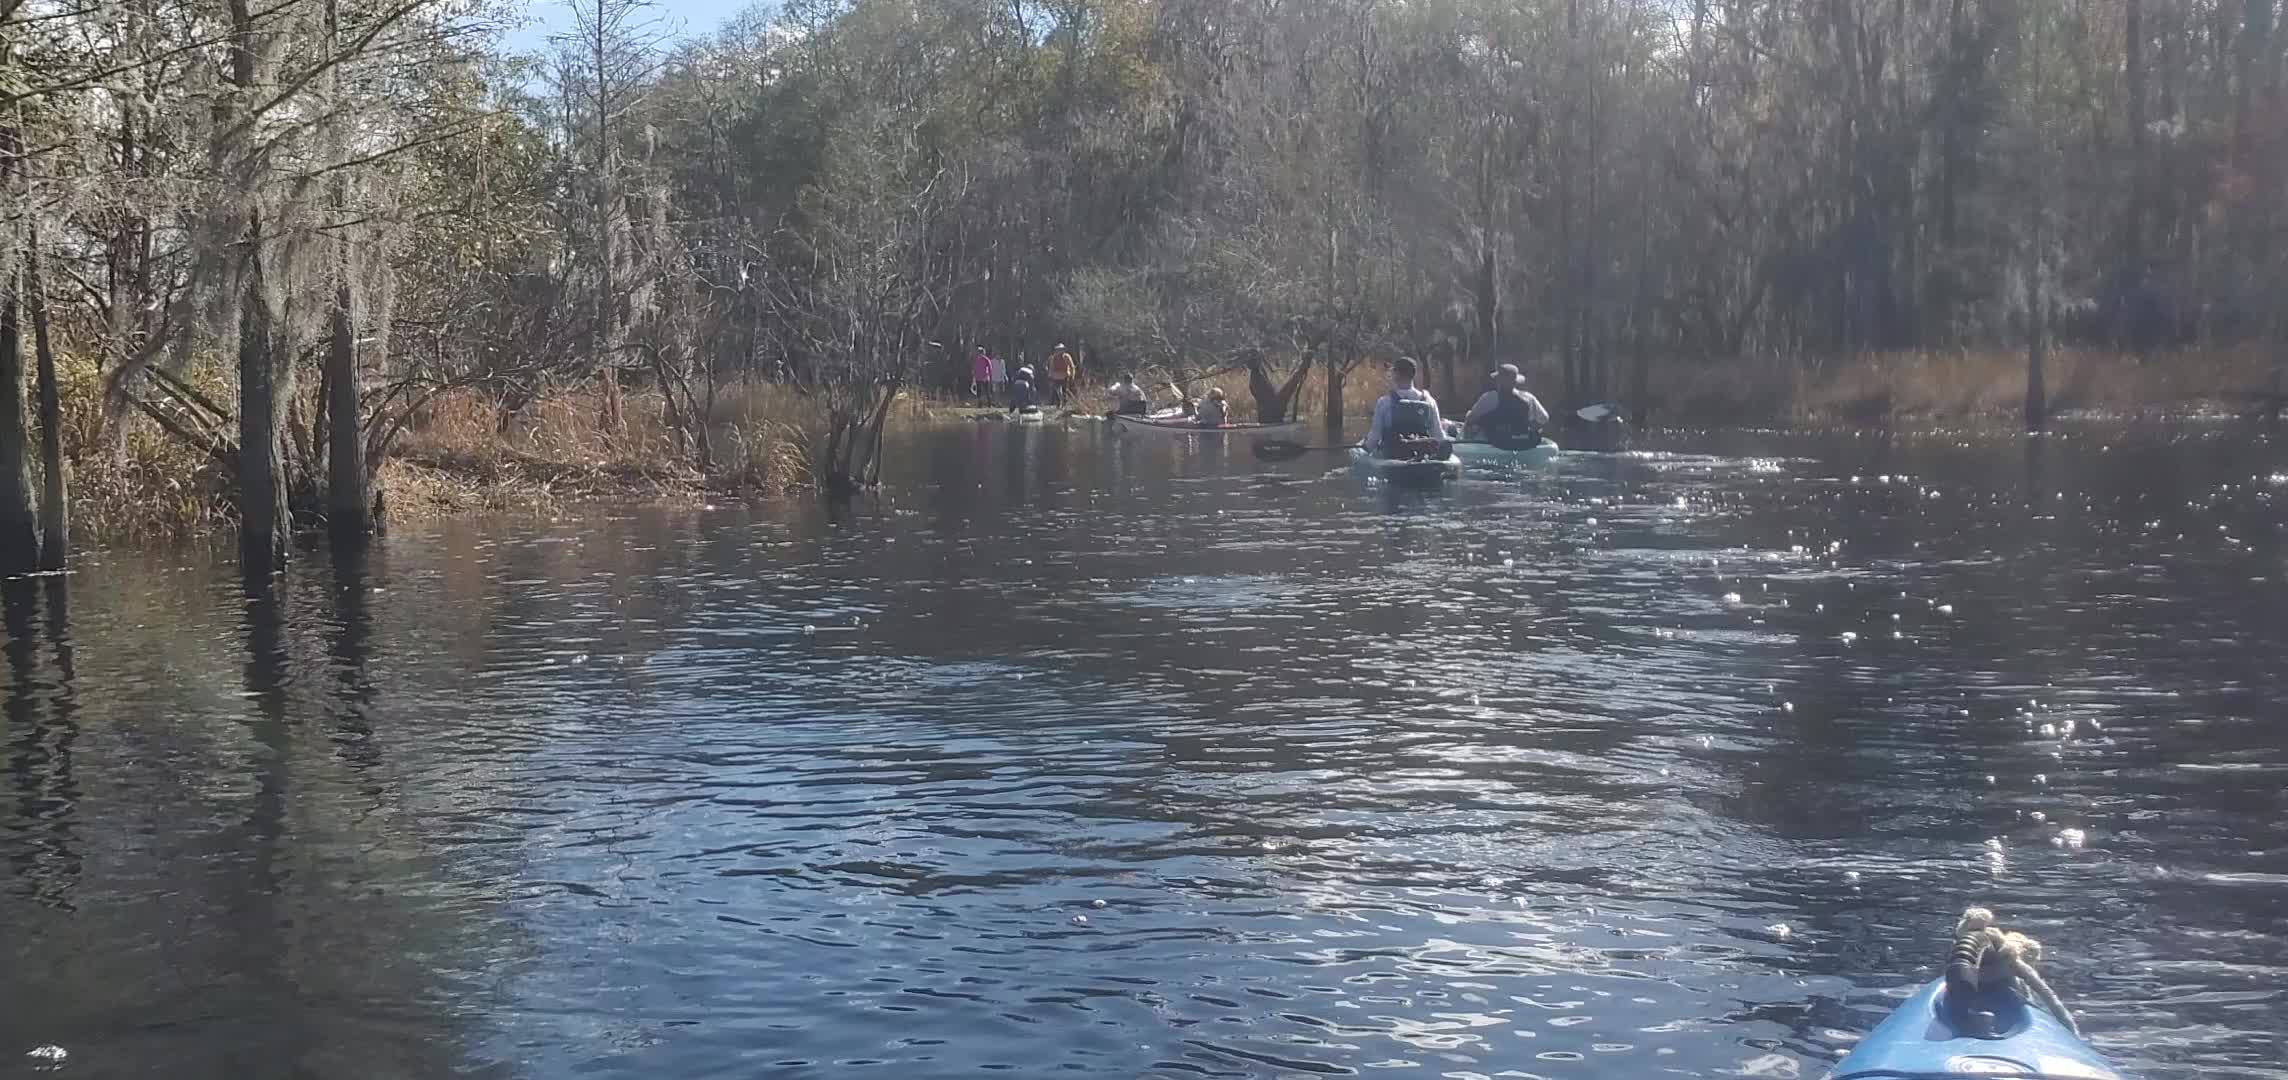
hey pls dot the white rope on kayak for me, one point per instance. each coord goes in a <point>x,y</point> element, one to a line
<point>1987,956</point>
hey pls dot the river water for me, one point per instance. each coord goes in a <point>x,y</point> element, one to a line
<point>1080,757</point>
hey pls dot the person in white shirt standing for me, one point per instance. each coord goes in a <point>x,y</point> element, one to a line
<point>1506,415</point>
<point>1406,420</point>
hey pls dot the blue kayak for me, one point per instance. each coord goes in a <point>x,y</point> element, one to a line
<point>1921,1042</point>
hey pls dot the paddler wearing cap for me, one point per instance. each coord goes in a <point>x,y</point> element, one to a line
<point>1506,415</point>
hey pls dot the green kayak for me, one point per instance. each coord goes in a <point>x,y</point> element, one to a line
<point>1406,471</point>
<point>1487,455</point>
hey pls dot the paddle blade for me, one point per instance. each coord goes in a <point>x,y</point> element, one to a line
<point>1279,449</point>
<point>1597,412</point>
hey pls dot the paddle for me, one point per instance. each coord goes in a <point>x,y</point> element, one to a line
<point>1282,450</point>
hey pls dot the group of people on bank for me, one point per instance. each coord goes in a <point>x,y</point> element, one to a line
<point>990,379</point>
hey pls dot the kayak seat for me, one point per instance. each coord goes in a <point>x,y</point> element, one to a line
<point>1985,1013</point>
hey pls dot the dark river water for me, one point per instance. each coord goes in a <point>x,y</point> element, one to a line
<point>1079,757</point>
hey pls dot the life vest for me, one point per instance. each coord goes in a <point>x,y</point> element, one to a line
<point>1413,432</point>
<point>1510,426</point>
<point>1060,365</point>
<point>1414,417</point>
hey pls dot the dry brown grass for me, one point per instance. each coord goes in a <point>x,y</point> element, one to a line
<point>1964,386</point>
<point>558,449</point>
<point>1364,383</point>
<point>149,486</point>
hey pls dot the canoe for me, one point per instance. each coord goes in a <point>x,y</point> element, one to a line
<point>1030,416</point>
<point>1920,1041</point>
<point>1487,454</point>
<point>1180,428</point>
<point>1406,470</point>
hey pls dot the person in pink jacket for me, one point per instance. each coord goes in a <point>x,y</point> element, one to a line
<point>981,374</point>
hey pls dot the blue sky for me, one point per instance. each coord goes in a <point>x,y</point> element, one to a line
<point>687,18</point>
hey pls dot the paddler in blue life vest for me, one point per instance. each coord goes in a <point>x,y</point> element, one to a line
<point>1406,421</point>
<point>1506,415</point>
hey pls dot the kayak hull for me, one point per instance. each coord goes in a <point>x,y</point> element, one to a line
<point>1179,428</point>
<point>1489,455</point>
<point>1411,471</point>
<point>1032,416</point>
<point>1918,1041</point>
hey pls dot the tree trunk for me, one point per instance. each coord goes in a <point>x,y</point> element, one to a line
<point>2128,300</point>
<point>262,510</point>
<point>55,494</point>
<point>2037,346</point>
<point>609,207</point>
<point>1334,395</point>
<point>19,525</point>
<point>348,502</point>
<point>2255,49</point>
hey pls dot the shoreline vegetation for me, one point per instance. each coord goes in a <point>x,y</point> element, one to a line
<point>286,270</point>
<point>458,458</point>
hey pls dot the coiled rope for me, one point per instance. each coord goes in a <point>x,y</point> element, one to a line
<point>1986,956</point>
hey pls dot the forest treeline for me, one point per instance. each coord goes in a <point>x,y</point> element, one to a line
<point>276,229</point>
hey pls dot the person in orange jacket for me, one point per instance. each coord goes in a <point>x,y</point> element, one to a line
<point>1064,371</point>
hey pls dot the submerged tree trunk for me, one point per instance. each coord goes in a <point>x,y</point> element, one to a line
<point>19,525</point>
<point>348,503</point>
<point>1273,399</point>
<point>262,510</point>
<point>55,492</point>
<point>1334,395</point>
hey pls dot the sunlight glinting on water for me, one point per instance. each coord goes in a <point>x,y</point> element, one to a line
<point>1074,755</point>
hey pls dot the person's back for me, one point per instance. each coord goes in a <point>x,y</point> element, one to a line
<point>1021,394</point>
<point>1511,424</point>
<point>1211,412</point>
<point>1406,421</point>
<point>1506,415</point>
<point>1128,398</point>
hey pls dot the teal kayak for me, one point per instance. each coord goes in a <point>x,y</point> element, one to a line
<point>1487,454</point>
<point>1925,1040</point>
<point>1406,470</point>
<point>1977,1020</point>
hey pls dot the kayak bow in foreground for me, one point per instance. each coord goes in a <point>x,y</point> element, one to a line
<point>1982,1020</point>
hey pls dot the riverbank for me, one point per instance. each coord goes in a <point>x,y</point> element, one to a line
<point>152,488</point>
<point>148,487</point>
<point>1892,389</point>
<point>1960,387</point>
